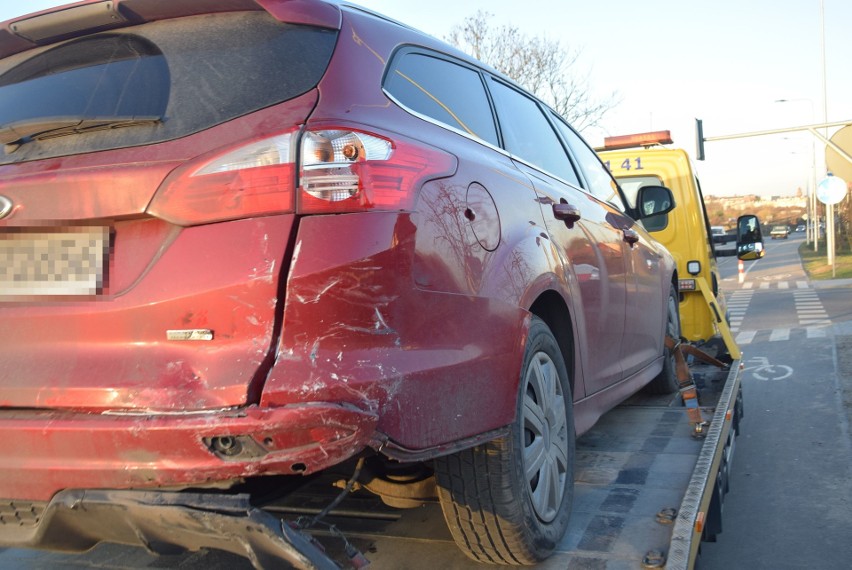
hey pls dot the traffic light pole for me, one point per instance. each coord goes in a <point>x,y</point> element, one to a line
<point>700,139</point>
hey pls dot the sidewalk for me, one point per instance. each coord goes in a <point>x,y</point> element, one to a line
<point>830,283</point>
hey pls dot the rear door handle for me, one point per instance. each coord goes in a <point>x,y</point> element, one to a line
<point>631,236</point>
<point>566,212</point>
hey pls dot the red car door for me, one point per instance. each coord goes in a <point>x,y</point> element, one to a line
<point>593,255</point>
<point>645,293</point>
<point>645,300</point>
<point>590,254</point>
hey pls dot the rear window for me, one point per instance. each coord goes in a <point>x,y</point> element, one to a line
<point>178,76</point>
<point>102,76</point>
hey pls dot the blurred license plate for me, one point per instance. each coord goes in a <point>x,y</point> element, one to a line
<point>66,262</point>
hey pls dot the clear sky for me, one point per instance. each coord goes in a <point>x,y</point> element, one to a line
<point>670,61</point>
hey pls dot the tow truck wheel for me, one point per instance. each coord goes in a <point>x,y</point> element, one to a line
<point>508,501</point>
<point>666,381</point>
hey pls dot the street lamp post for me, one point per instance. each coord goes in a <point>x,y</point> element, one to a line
<point>829,208</point>
<point>812,227</point>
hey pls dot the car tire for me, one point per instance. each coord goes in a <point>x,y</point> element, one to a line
<point>666,381</point>
<point>508,501</point>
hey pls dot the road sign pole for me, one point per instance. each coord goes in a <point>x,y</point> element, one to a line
<point>832,190</point>
<point>829,239</point>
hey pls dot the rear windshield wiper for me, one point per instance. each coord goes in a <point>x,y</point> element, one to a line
<point>21,132</point>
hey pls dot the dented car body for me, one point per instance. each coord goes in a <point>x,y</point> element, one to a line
<point>242,242</point>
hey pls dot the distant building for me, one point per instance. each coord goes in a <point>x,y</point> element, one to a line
<point>752,200</point>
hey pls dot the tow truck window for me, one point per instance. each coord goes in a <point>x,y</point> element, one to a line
<point>630,185</point>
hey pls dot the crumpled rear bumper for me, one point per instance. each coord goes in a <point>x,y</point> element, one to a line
<point>54,451</point>
<point>162,522</point>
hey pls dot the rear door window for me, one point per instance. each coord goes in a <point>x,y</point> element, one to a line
<point>447,92</point>
<point>598,181</point>
<point>527,134</point>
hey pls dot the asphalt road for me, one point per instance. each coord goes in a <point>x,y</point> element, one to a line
<point>791,492</point>
<point>790,500</point>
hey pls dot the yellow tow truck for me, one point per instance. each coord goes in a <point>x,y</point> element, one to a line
<point>639,160</point>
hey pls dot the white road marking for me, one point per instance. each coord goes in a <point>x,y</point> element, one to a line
<point>779,334</point>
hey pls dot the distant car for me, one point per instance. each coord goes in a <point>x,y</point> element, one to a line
<point>720,235</point>
<point>779,232</point>
<point>800,228</point>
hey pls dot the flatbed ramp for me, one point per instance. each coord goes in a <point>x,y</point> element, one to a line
<point>640,464</point>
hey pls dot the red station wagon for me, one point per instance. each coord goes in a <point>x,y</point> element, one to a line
<point>249,239</point>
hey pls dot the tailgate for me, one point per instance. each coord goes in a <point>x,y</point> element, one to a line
<point>104,306</point>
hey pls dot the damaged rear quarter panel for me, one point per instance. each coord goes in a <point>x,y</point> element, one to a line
<point>357,330</point>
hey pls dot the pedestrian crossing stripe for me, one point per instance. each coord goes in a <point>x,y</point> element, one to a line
<point>764,285</point>
<point>782,334</point>
<point>779,334</point>
<point>746,337</point>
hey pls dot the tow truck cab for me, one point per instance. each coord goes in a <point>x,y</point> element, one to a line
<point>640,160</point>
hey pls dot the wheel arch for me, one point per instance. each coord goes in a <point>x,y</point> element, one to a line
<point>550,307</point>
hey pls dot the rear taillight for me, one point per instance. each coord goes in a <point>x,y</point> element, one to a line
<point>255,179</point>
<point>340,170</point>
<point>344,170</point>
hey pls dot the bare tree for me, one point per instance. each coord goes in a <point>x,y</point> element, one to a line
<point>542,66</point>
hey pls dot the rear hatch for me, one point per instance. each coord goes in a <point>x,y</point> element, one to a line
<point>147,213</point>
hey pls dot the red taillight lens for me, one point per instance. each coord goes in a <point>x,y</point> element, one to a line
<point>344,170</point>
<point>341,170</point>
<point>252,180</point>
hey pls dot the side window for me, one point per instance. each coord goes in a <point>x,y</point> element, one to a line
<point>528,135</point>
<point>442,90</point>
<point>598,179</point>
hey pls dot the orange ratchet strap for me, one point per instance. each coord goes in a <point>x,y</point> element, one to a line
<point>688,392</point>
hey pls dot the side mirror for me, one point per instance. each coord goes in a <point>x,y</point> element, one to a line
<point>654,201</point>
<point>749,239</point>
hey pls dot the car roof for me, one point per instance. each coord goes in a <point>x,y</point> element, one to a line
<point>88,16</point>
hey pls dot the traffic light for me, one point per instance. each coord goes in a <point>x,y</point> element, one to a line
<point>699,139</point>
